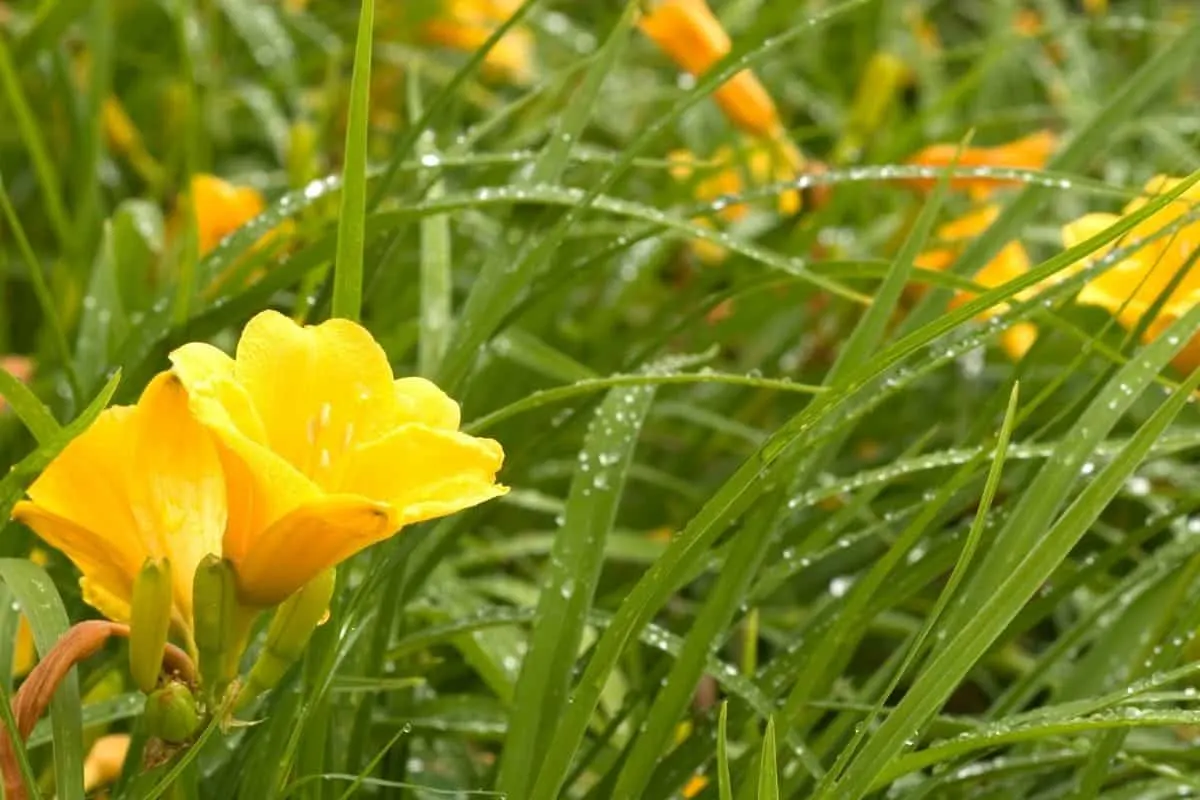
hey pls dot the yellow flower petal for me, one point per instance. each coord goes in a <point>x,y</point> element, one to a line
<point>416,464</point>
<point>207,373</point>
<point>318,389</point>
<point>221,208</point>
<point>105,760</point>
<point>1086,227</point>
<point>105,562</point>
<point>141,482</point>
<point>307,541</point>
<point>422,402</point>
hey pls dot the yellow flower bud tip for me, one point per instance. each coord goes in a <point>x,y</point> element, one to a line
<point>288,634</point>
<point>149,622</point>
<point>105,760</point>
<point>884,76</point>
<point>172,713</point>
<point>692,37</point>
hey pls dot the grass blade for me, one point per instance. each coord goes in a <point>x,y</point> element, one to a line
<point>567,593</point>
<point>31,411</point>
<point>351,238</point>
<point>768,772</point>
<point>48,620</point>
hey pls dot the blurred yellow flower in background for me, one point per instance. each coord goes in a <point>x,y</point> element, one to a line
<point>1029,152</point>
<point>1129,288</point>
<point>691,36</point>
<point>1010,263</point>
<point>221,208</point>
<point>731,173</point>
<point>142,482</point>
<point>466,24</point>
<point>324,452</point>
<point>105,760</point>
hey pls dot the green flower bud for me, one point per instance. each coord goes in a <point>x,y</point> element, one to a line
<point>172,714</point>
<point>149,622</point>
<point>221,624</point>
<point>292,626</point>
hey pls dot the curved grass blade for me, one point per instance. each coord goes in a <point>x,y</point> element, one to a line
<point>28,408</point>
<point>568,588</point>
<point>966,643</point>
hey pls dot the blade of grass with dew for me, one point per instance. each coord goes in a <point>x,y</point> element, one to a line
<point>48,620</point>
<point>961,566</point>
<point>31,136</point>
<point>351,238</point>
<point>964,644</point>
<point>89,151</point>
<point>570,584</point>
<point>747,551</point>
<point>500,281</point>
<point>41,290</point>
<point>436,278</point>
<point>28,408</point>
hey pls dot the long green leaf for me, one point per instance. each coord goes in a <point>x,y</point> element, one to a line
<point>568,589</point>
<point>351,240</point>
<point>48,620</point>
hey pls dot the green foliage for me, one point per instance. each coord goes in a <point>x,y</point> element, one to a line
<point>779,527</point>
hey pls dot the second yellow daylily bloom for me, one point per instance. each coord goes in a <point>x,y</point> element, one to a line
<point>1010,263</point>
<point>324,452</point>
<point>1130,288</point>
<point>692,36</point>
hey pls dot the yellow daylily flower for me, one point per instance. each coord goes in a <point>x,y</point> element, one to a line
<point>142,482</point>
<point>466,24</point>
<point>736,172</point>
<point>285,462</point>
<point>695,785</point>
<point>1029,152</point>
<point>1010,263</point>
<point>105,761</point>
<point>221,208</point>
<point>324,452</point>
<point>692,36</point>
<point>1129,289</point>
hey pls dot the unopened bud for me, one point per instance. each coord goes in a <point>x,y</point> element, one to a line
<point>149,622</point>
<point>292,626</point>
<point>172,714</point>
<point>221,625</point>
<point>882,81</point>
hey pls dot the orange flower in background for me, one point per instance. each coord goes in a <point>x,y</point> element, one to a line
<point>221,208</point>
<point>695,785</point>
<point>105,761</point>
<point>1130,288</point>
<point>734,173</point>
<point>466,24</point>
<point>691,36</point>
<point>1029,152</point>
<point>1010,263</point>
<point>323,452</point>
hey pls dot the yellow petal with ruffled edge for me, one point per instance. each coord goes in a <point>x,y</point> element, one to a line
<point>318,389</point>
<point>306,542</point>
<point>417,464</point>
